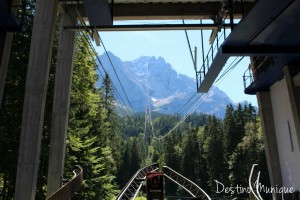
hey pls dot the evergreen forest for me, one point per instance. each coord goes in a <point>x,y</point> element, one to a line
<point>111,147</point>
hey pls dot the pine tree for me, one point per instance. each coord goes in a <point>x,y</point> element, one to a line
<point>214,151</point>
<point>190,155</point>
<point>172,158</point>
<point>229,132</point>
<point>112,119</point>
<point>193,164</point>
<point>250,114</point>
<point>248,152</point>
<point>239,119</point>
<point>229,141</point>
<point>88,139</point>
<point>131,160</point>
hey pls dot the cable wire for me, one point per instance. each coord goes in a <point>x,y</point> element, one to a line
<point>115,73</point>
<point>88,42</point>
<point>187,102</point>
<point>188,41</point>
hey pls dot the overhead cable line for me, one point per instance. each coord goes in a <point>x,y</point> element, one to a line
<point>203,97</point>
<point>84,39</point>
<point>230,68</point>
<point>191,104</point>
<point>88,42</point>
<point>199,101</point>
<point>95,53</point>
<point>188,41</point>
<point>186,102</point>
<point>116,73</point>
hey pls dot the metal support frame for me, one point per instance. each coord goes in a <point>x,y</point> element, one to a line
<point>133,187</point>
<point>189,186</point>
<point>212,63</point>
<point>259,50</point>
<point>230,5</point>
<point>149,27</point>
<point>165,11</point>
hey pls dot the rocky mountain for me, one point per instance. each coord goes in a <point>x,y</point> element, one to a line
<point>168,90</point>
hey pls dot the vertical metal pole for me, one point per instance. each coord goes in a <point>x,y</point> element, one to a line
<point>230,5</point>
<point>242,8</point>
<point>217,41</point>
<point>212,51</point>
<point>207,64</point>
<point>203,57</point>
<point>202,44</point>
<point>195,59</point>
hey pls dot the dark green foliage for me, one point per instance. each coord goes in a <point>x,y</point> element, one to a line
<point>214,154</point>
<point>172,155</point>
<point>111,148</point>
<point>131,160</point>
<point>248,152</point>
<point>90,132</point>
<point>193,162</point>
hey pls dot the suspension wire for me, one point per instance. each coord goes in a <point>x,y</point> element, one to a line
<point>199,101</point>
<point>116,73</point>
<point>87,41</point>
<point>188,41</point>
<point>230,68</point>
<point>84,39</point>
<point>97,57</point>
<point>203,97</point>
<point>148,116</point>
<point>190,105</point>
<point>187,102</point>
<point>119,97</point>
<point>202,43</point>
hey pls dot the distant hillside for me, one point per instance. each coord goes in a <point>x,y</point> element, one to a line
<point>168,89</point>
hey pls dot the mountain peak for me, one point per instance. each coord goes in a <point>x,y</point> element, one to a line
<point>153,77</point>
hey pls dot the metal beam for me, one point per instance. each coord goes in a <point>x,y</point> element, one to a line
<point>259,50</point>
<point>152,27</point>
<point>98,12</point>
<point>214,69</point>
<point>164,11</point>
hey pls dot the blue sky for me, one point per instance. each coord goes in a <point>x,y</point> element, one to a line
<point>173,47</point>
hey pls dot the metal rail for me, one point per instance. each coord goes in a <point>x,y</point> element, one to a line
<point>69,189</point>
<point>133,187</point>
<point>149,27</point>
<point>189,186</point>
